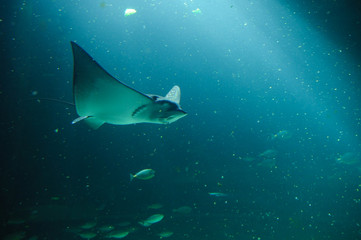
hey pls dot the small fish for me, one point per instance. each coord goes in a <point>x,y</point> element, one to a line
<point>131,229</point>
<point>101,207</point>
<point>144,224</point>
<point>117,234</point>
<point>248,159</point>
<point>165,234</point>
<point>151,220</point>
<point>183,210</point>
<point>75,230</point>
<point>155,206</point>
<point>106,228</point>
<point>268,163</point>
<point>16,221</point>
<point>144,174</point>
<point>218,194</point>
<point>88,225</point>
<point>269,153</point>
<point>282,134</point>
<point>87,235</point>
<point>349,158</point>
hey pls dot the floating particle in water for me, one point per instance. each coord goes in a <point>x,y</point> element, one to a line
<point>129,11</point>
<point>196,11</point>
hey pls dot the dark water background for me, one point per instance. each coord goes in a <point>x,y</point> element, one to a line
<point>247,69</point>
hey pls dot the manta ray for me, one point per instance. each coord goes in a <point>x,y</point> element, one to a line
<point>100,98</point>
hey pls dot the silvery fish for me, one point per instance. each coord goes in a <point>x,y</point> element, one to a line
<point>106,228</point>
<point>155,206</point>
<point>218,194</point>
<point>268,163</point>
<point>117,234</point>
<point>88,225</point>
<point>87,235</point>
<point>183,210</point>
<point>144,174</point>
<point>269,153</point>
<point>282,134</point>
<point>165,234</point>
<point>349,158</point>
<point>152,219</point>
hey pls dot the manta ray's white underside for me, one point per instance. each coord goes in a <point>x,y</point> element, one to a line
<point>100,98</point>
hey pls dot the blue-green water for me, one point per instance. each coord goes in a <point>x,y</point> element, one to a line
<point>247,70</point>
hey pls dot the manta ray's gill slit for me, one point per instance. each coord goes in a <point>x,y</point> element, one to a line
<point>139,110</point>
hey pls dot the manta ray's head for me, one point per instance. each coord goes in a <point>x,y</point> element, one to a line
<point>167,111</point>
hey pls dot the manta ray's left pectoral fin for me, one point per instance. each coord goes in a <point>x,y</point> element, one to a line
<point>91,121</point>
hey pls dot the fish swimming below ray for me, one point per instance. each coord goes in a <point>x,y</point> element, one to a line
<point>165,234</point>
<point>218,194</point>
<point>151,220</point>
<point>155,206</point>
<point>100,98</point>
<point>183,210</point>
<point>144,174</point>
<point>117,234</point>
